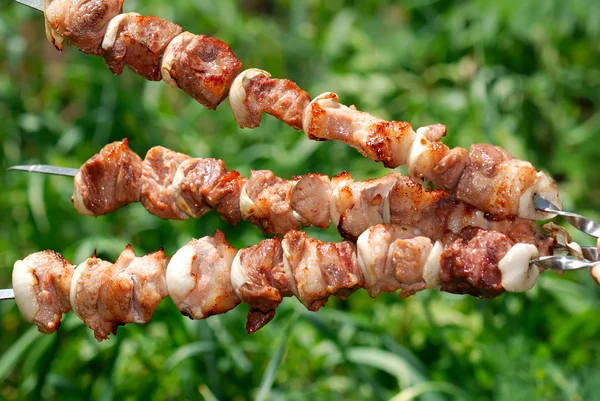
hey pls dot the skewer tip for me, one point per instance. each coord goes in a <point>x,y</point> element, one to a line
<point>7,294</point>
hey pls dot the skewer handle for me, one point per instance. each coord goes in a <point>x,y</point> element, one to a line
<point>578,221</point>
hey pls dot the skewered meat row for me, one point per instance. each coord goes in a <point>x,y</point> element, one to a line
<point>208,276</point>
<point>486,177</point>
<point>172,185</point>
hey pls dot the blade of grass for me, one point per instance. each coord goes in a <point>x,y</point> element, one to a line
<point>206,393</point>
<point>46,365</point>
<point>229,344</point>
<point>187,351</point>
<point>417,390</point>
<point>11,357</point>
<point>268,378</point>
<point>406,374</point>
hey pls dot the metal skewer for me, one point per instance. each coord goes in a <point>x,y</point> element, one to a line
<point>578,221</point>
<point>46,169</point>
<point>563,263</point>
<point>7,294</point>
<point>35,4</point>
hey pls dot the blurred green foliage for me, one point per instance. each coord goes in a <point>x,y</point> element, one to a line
<point>523,74</point>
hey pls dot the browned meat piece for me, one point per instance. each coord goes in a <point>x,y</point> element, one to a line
<point>435,212</point>
<point>106,295</point>
<point>338,263</point>
<point>411,205</point>
<point>469,265</point>
<point>254,92</point>
<point>202,66</point>
<point>409,257</point>
<point>495,181</point>
<point>396,199</point>
<point>138,42</point>
<point>432,160</point>
<point>317,270</point>
<point>254,282</point>
<point>193,183</point>
<point>257,319</point>
<point>225,197</point>
<point>392,257</point>
<point>108,181</point>
<point>82,22</point>
<point>383,141</point>
<point>265,202</point>
<point>310,200</point>
<point>198,277</point>
<point>355,206</point>
<point>526,232</point>
<point>158,170</point>
<point>143,279</point>
<point>41,283</point>
<point>88,278</point>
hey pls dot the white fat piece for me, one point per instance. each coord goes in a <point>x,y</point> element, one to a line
<point>237,95</point>
<point>176,189</point>
<point>238,274</point>
<point>431,269</point>
<point>366,260</point>
<point>179,278</point>
<point>544,187</point>
<point>327,99</point>
<point>247,206</point>
<point>507,180</point>
<point>403,149</point>
<point>78,197</point>
<point>384,192</point>
<point>169,55</point>
<point>24,281</point>
<point>460,218</point>
<point>112,31</point>
<point>288,269</point>
<point>418,147</point>
<point>337,185</point>
<point>517,274</point>
<point>75,285</point>
<point>53,36</point>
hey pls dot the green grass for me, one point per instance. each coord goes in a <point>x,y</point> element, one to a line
<point>521,74</point>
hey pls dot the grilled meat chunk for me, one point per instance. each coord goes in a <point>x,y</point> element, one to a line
<point>106,295</point>
<point>41,283</point>
<point>254,92</point>
<point>139,42</point>
<point>158,195</point>
<point>204,67</point>
<point>108,181</point>
<point>265,202</point>
<point>82,22</point>
<point>198,277</point>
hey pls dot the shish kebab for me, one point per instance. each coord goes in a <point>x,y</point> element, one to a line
<point>172,185</point>
<point>207,70</point>
<point>208,276</point>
